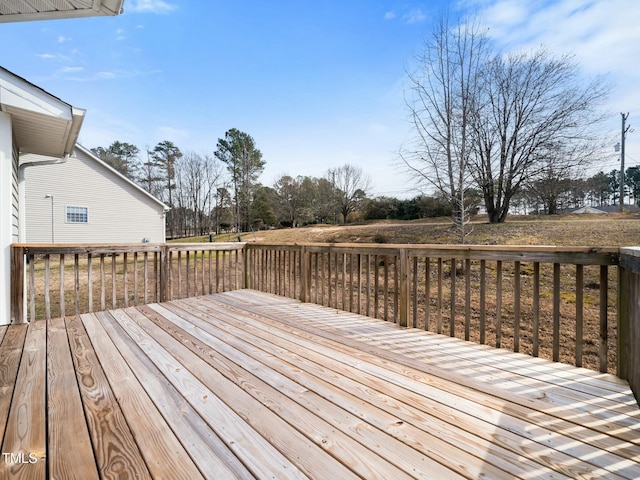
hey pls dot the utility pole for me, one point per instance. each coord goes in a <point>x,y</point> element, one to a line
<point>623,134</point>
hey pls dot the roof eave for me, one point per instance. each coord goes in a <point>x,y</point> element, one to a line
<point>99,8</point>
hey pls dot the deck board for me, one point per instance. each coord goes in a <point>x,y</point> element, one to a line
<point>70,460</point>
<point>245,384</point>
<point>25,433</point>
<point>114,446</point>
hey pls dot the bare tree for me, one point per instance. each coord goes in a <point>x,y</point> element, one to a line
<point>535,111</point>
<point>442,101</point>
<point>350,186</point>
<point>200,175</point>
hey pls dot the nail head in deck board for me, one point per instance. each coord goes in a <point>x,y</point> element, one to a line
<point>115,449</point>
<point>26,427</point>
<point>69,448</point>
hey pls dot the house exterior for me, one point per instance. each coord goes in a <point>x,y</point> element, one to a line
<point>84,200</point>
<point>605,209</point>
<point>32,121</point>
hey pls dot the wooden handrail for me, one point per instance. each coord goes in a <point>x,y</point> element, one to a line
<point>120,274</point>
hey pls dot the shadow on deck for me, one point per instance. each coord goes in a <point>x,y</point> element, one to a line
<point>245,384</point>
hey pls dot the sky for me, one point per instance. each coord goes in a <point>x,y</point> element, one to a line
<point>316,84</point>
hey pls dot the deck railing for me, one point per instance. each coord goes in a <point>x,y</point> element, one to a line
<point>560,303</point>
<point>563,303</point>
<point>64,280</point>
<point>629,323</point>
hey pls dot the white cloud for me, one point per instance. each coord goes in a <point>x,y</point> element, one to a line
<point>414,16</point>
<point>389,15</point>
<point>63,39</point>
<point>70,69</point>
<point>102,75</point>
<point>101,129</point>
<point>46,56</point>
<point>151,6</point>
<point>106,75</point>
<point>171,133</point>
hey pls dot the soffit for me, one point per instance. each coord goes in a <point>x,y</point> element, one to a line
<point>23,10</point>
<point>41,123</point>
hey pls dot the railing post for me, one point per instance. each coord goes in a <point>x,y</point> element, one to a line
<point>625,286</point>
<point>164,273</point>
<point>17,285</point>
<point>403,307</point>
<point>629,319</point>
<point>246,269</point>
<point>305,274</point>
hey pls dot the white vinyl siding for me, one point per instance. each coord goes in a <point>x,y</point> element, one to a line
<point>119,212</point>
<point>15,206</point>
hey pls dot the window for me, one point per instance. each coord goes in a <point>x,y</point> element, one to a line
<point>77,215</point>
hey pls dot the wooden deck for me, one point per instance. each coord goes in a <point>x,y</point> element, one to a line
<point>249,385</point>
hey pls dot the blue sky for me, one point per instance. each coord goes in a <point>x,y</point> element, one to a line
<point>317,84</point>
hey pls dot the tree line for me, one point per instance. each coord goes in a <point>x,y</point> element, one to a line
<point>221,192</point>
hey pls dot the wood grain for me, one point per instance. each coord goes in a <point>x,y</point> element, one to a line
<point>25,433</point>
<point>245,384</point>
<point>156,441</point>
<point>67,459</point>
<point>257,454</point>
<point>514,410</point>
<point>115,449</point>
<point>10,353</point>
<point>344,436</point>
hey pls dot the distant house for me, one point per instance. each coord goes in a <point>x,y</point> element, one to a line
<point>605,209</point>
<point>584,210</point>
<point>84,200</point>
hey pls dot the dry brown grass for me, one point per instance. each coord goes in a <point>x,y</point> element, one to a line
<point>565,230</point>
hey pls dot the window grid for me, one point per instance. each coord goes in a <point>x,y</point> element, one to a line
<point>77,215</point>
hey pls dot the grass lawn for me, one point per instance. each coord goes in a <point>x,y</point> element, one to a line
<point>562,230</point>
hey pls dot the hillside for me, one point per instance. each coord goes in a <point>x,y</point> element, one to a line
<point>567,230</point>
